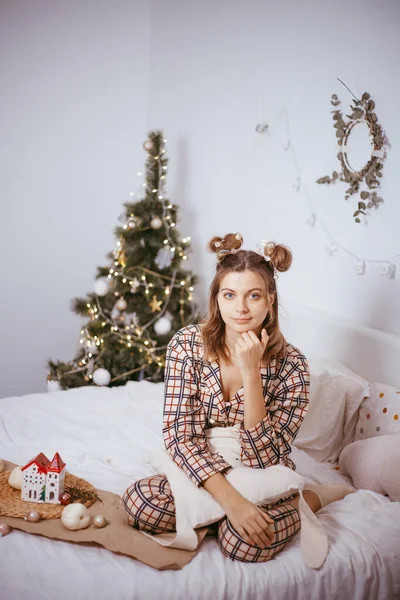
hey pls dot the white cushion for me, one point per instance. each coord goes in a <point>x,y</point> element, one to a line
<point>336,394</point>
<point>379,413</point>
<point>373,464</point>
<point>321,433</point>
<point>260,486</point>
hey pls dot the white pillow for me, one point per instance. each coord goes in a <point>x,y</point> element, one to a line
<point>373,464</point>
<point>260,486</point>
<point>336,394</point>
<point>321,433</point>
<point>379,413</point>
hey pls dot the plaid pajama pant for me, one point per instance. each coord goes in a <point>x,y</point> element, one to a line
<point>150,507</point>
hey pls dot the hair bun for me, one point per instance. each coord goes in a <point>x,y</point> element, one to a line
<point>281,256</point>
<point>230,244</point>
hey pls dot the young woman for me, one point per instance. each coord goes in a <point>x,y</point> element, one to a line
<point>234,368</point>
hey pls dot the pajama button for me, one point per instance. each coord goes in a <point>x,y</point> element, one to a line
<point>211,421</point>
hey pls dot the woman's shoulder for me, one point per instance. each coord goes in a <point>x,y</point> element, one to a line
<point>294,356</point>
<point>188,338</point>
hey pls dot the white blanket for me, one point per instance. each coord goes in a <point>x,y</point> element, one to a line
<point>195,507</point>
<point>102,435</point>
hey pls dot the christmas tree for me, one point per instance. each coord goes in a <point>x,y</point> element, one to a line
<point>43,494</point>
<point>141,298</point>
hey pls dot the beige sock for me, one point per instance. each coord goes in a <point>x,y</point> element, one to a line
<point>329,493</point>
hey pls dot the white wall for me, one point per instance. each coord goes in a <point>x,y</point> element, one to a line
<point>86,80</point>
<point>73,117</point>
<point>217,66</point>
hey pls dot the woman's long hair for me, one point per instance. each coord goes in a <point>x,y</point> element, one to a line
<point>232,259</point>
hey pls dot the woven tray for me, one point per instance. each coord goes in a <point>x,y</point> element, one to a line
<point>11,504</point>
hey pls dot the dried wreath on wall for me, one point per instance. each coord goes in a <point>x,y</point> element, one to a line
<point>371,172</point>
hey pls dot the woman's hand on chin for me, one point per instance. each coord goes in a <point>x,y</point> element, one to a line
<point>249,351</point>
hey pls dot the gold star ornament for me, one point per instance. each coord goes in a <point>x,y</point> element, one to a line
<point>155,304</point>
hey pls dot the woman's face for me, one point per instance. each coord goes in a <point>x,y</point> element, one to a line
<point>243,301</point>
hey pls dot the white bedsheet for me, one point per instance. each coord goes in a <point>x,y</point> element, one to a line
<point>102,435</point>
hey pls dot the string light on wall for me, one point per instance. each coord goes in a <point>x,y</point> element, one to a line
<point>387,267</point>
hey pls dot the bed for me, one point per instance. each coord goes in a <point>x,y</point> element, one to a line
<point>105,433</point>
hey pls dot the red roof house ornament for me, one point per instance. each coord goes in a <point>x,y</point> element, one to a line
<point>43,479</point>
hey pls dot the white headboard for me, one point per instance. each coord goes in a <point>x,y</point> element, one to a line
<point>369,352</point>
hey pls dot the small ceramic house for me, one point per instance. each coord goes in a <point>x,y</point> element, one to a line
<point>43,480</point>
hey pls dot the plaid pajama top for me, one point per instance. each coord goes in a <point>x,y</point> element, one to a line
<point>193,402</point>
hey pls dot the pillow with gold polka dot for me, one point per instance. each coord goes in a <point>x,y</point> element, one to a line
<point>379,414</point>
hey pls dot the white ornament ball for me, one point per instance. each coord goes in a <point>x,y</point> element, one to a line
<point>121,304</point>
<point>75,516</point>
<point>15,478</point>
<point>99,521</point>
<point>101,377</point>
<point>4,529</point>
<point>1,466</point>
<point>156,223</point>
<point>101,286</point>
<point>91,347</point>
<point>162,326</point>
<point>148,145</point>
<point>53,386</point>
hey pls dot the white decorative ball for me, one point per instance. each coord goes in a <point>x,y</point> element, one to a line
<point>121,304</point>
<point>162,326</point>
<point>99,521</point>
<point>4,529</point>
<point>91,347</point>
<point>75,516</point>
<point>156,223</point>
<point>101,377</point>
<point>53,386</point>
<point>148,145</point>
<point>101,286</point>
<point>15,478</point>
